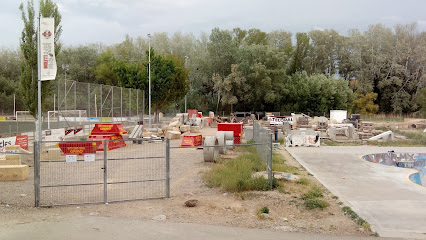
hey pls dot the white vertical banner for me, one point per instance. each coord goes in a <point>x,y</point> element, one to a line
<point>47,49</point>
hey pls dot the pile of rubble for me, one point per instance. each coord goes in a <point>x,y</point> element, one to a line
<point>182,124</point>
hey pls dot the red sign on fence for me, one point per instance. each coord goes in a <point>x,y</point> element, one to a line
<point>22,141</point>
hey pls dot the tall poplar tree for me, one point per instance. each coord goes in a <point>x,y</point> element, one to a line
<point>28,45</point>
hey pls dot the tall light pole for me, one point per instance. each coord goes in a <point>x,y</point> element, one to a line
<point>149,79</point>
<point>186,59</point>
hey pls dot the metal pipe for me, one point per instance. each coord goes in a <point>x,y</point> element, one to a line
<point>105,172</point>
<point>149,79</point>
<point>168,168</point>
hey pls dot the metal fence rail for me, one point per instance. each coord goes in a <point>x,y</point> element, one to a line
<point>136,171</point>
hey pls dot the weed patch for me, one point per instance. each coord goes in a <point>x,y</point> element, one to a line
<point>354,216</point>
<point>312,198</point>
<point>236,174</point>
<point>315,203</point>
<point>303,181</point>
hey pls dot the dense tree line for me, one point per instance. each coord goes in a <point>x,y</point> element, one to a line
<point>251,70</point>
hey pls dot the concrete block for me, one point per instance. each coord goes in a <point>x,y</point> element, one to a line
<point>14,172</point>
<point>248,133</point>
<point>10,161</point>
<point>147,134</point>
<point>384,136</point>
<point>174,124</point>
<point>195,129</point>
<point>172,134</point>
<point>185,128</point>
<point>12,148</point>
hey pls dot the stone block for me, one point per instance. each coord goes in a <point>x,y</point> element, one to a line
<point>172,134</point>
<point>147,134</point>
<point>10,160</point>
<point>185,128</point>
<point>14,172</point>
<point>195,129</point>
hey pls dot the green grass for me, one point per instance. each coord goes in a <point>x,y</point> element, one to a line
<point>312,198</point>
<point>415,139</point>
<point>314,192</point>
<point>261,211</point>
<point>354,216</point>
<point>279,165</point>
<point>264,210</point>
<point>332,143</point>
<point>236,174</point>
<point>303,181</point>
<point>383,118</point>
<point>315,203</point>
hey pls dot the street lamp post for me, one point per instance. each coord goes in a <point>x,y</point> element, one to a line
<point>149,79</point>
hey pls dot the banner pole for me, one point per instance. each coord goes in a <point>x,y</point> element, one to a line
<point>37,149</point>
<point>39,85</point>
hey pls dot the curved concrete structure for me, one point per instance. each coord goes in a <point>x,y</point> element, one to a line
<point>379,194</point>
<point>416,161</point>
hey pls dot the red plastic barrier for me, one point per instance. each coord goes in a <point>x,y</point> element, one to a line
<point>108,129</point>
<point>237,128</point>
<point>191,141</point>
<point>110,144</point>
<point>22,141</point>
<point>80,148</point>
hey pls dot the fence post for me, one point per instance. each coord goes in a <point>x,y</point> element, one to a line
<point>168,168</point>
<point>269,165</point>
<point>36,174</point>
<point>105,172</point>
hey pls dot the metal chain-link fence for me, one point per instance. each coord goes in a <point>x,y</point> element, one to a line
<point>73,103</point>
<point>263,135</point>
<point>83,172</point>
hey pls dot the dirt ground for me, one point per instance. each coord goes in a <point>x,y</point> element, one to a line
<point>215,206</point>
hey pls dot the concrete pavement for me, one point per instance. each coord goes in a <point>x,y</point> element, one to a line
<point>380,194</point>
<point>105,228</point>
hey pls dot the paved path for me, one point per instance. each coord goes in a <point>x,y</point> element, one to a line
<point>106,228</point>
<point>380,194</point>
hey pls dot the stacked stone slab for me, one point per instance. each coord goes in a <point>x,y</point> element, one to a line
<point>11,168</point>
<point>366,130</point>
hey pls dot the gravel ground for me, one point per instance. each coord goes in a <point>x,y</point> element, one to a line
<point>215,207</point>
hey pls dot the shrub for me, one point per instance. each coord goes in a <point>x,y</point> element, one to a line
<point>236,174</point>
<point>315,192</point>
<point>264,210</point>
<point>303,181</point>
<point>315,203</point>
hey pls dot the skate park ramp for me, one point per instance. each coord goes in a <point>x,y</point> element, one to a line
<point>415,161</point>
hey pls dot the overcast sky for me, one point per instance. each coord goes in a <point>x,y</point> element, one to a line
<point>107,21</point>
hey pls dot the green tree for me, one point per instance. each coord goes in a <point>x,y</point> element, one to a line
<point>364,103</point>
<point>28,45</point>
<point>421,101</point>
<point>103,71</point>
<point>264,68</point>
<point>81,61</point>
<point>299,53</point>
<point>169,79</point>
<point>281,40</point>
<point>256,37</point>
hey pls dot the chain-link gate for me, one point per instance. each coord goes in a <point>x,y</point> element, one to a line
<point>75,173</point>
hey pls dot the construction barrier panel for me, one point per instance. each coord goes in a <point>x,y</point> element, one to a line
<point>116,143</point>
<point>79,148</point>
<point>108,129</point>
<point>192,141</point>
